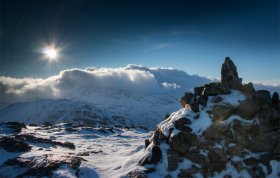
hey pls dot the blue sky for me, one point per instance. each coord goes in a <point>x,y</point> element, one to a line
<point>194,36</point>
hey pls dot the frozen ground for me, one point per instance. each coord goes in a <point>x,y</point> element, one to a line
<point>106,152</point>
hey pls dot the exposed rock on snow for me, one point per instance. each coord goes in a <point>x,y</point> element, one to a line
<point>233,131</point>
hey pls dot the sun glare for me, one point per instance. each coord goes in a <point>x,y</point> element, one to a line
<point>51,53</point>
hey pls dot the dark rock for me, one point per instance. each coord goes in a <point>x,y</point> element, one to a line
<point>229,75</point>
<point>275,98</point>
<point>270,117</point>
<point>216,155</point>
<point>43,166</point>
<point>263,96</point>
<point>173,160</point>
<point>240,134</point>
<point>158,137</point>
<point>190,101</point>
<point>195,157</point>
<point>11,127</point>
<point>182,122</point>
<point>147,143</point>
<point>248,109</point>
<point>85,153</point>
<point>265,142</point>
<point>198,91</point>
<point>237,150</point>
<point>188,98</point>
<point>136,174</point>
<point>213,89</point>
<point>12,144</point>
<point>222,112</point>
<point>251,161</point>
<point>189,173</point>
<point>211,168</point>
<point>247,89</point>
<point>177,144</point>
<point>195,107</point>
<point>206,144</point>
<point>202,100</point>
<point>216,131</point>
<point>267,157</point>
<point>34,139</point>
<point>156,155</point>
<point>277,148</point>
<point>186,129</point>
<point>47,124</point>
<point>182,141</point>
<point>65,144</point>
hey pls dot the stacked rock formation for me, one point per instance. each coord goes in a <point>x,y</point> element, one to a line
<point>224,128</point>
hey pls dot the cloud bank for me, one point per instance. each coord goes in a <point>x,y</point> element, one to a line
<point>86,84</point>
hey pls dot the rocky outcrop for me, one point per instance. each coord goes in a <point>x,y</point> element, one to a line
<point>222,127</point>
<point>229,74</point>
<point>12,144</point>
<point>43,166</point>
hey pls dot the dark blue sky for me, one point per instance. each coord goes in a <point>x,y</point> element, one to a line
<point>191,35</point>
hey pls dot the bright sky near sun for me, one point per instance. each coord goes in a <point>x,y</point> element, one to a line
<point>194,36</point>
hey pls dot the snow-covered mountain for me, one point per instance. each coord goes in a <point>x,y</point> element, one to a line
<point>131,95</point>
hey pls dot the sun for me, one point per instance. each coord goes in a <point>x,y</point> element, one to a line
<point>51,53</point>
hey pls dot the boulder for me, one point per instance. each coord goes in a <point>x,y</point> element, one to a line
<point>251,161</point>
<point>216,155</point>
<point>188,98</point>
<point>270,118</point>
<point>266,142</point>
<point>229,75</point>
<point>275,98</point>
<point>216,131</point>
<point>182,122</point>
<point>263,96</point>
<point>248,109</point>
<point>202,100</point>
<point>195,157</point>
<point>189,173</point>
<point>173,160</point>
<point>198,90</point>
<point>236,150</point>
<point>240,134</point>
<point>213,89</point>
<point>183,141</point>
<point>136,174</point>
<point>156,155</point>
<point>12,144</point>
<point>222,112</point>
<point>190,101</point>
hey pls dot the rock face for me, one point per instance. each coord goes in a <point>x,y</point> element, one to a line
<point>229,75</point>
<point>221,125</point>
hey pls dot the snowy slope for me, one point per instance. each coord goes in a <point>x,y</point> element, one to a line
<point>108,152</point>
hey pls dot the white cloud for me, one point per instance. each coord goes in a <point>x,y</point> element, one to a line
<point>87,84</point>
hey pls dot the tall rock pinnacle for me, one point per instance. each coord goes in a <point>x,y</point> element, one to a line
<point>229,75</point>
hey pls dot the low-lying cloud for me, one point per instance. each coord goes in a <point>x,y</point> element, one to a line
<point>84,84</point>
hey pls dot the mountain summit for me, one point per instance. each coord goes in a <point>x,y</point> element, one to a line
<point>224,129</point>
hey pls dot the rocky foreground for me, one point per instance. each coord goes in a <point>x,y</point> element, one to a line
<point>224,129</point>
<point>68,150</point>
